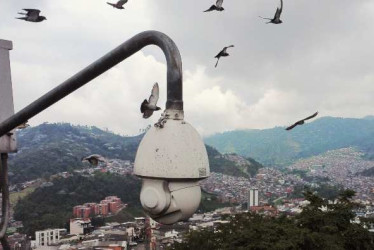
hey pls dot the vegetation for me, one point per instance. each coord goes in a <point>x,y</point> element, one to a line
<point>209,202</point>
<point>52,148</point>
<point>277,146</point>
<point>126,214</point>
<point>16,196</point>
<point>313,228</point>
<point>325,191</point>
<point>219,164</point>
<point>368,172</point>
<point>52,206</point>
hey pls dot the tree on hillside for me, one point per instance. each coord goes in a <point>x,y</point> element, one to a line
<point>319,226</point>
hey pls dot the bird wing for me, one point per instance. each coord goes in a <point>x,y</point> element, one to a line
<point>216,62</point>
<point>154,95</point>
<point>312,116</point>
<point>121,2</point>
<point>219,3</point>
<point>143,107</point>
<point>32,12</point>
<point>102,159</point>
<point>279,11</point>
<point>94,161</point>
<point>220,53</point>
<point>291,127</point>
<point>225,48</point>
<point>91,159</point>
<point>213,7</point>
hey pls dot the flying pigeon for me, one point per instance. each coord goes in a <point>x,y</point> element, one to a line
<point>301,122</point>
<point>119,4</point>
<point>32,15</point>
<point>217,7</point>
<point>149,106</point>
<point>94,159</point>
<point>222,53</point>
<point>276,19</point>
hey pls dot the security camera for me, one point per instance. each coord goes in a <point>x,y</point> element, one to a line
<point>171,160</point>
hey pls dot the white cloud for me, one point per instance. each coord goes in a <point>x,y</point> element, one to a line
<point>320,58</point>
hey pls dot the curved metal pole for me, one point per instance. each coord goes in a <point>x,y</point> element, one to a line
<point>125,50</point>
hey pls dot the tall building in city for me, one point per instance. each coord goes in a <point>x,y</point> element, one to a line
<point>253,198</point>
<point>48,237</point>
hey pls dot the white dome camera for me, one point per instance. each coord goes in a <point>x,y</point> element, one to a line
<point>171,159</point>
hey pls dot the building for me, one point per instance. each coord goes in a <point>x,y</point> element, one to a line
<point>253,198</point>
<point>93,207</point>
<point>113,207</point>
<point>80,226</point>
<point>48,237</point>
<point>111,204</point>
<point>81,212</point>
<point>102,209</point>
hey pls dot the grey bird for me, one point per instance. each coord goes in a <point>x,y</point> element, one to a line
<point>217,7</point>
<point>148,107</point>
<point>222,53</point>
<point>32,15</point>
<point>94,159</point>
<point>276,19</point>
<point>119,4</point>
<point>301,122</point>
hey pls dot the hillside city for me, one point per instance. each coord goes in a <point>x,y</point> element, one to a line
<point>277,194</point>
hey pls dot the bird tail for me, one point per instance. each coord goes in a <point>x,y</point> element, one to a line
<point>216,63</point>
<point>22,18</point>
<point>264,17</point>
<point>20,13</point>
<point>111,4</point>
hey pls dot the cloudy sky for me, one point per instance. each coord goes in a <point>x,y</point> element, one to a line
<point>320,58</point>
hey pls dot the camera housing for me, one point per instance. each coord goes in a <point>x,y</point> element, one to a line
<point>171,160</point>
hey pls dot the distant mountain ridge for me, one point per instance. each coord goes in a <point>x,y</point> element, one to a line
<point>52,148</point>
<point>278,147</point>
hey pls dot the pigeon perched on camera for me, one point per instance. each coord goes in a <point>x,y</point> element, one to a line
<point>119,4</point>
<point>217,7</point>
<point>32,15</point>
<point>94,159</point>
<point>301,122</point>
<point>278,12</point>
<point>148,107</point>
<point>222,53</point>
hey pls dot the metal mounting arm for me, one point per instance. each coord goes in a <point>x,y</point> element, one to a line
<point>125,50</point>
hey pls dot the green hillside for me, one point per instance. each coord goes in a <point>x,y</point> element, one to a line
<point>52,206</point>
<point>277,146</point>
<point>219,163</point>
<point>53,148</point>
